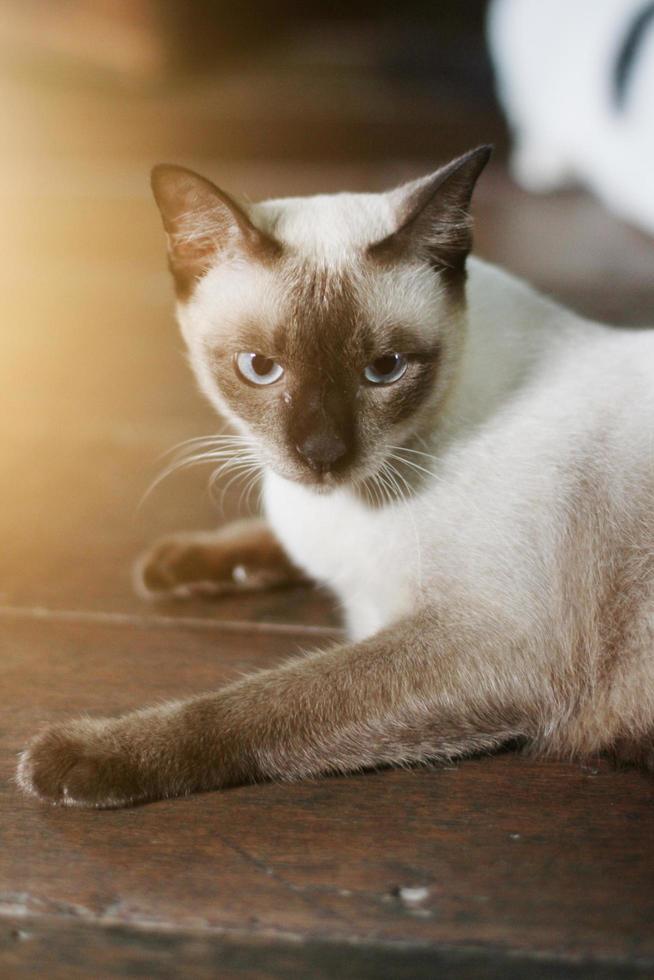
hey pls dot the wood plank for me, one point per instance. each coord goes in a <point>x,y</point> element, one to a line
<point>81,950</point>
<point>517,858</point>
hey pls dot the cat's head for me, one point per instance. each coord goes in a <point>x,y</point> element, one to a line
<point>327,329</point>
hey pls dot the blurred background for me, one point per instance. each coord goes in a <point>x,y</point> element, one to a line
<point>266,99</point>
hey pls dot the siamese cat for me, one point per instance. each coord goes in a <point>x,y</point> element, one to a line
<point>467,465</point>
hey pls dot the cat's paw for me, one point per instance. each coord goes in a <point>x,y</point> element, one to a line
<point>80,764</point>
<point>241,557</point>
<point>180,567</point>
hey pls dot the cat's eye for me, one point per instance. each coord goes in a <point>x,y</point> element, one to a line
<point>385,370</point>
<point>257,369</point>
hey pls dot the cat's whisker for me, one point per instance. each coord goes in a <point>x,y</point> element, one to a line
<point>402,487</point>
<point>217,494</point>
<point>240,470</point>
<point>249,478</point>
<point>414,525</point>
<point>218,471</point>
<point>373,484</point>
<point>234,463</point>
<point>165,473</point>
<point>391,474</point>
<point>241,475</point>
<point>417,452</point>
<point>412,464</point>
<point>211,437</point>
<point>396,453</point>
<point>385,499</point>
<point>208,457</point>
<point>396,476</point>
<point>389,483</point>
<point>251,484</point>
<point>228,448</point>
<point>388,490</point>
<point>206,442</point>
<point>405,489</point>
<point>260,497</point>
<point>190,458</point>
<point>183,464</point>
<point>369,497</point>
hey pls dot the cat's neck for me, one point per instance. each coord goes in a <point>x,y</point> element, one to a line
<point>512,331</point>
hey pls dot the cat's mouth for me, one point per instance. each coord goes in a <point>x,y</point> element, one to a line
<point>388,474</point>
<point>394,475</point>
<point>358,476</point>
<point>324,482</point>
<point>319,480</point>
<point>322,472</point>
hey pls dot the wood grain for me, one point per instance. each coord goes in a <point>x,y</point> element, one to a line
<point>517,858</point>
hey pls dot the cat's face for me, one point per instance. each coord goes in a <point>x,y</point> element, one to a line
<point>326,329</point>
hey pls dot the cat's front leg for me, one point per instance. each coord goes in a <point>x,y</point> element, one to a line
<point>241,556</point>
<point>410,693</point>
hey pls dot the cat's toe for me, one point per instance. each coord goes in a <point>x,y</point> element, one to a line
<point>156,572</point>
<point>70,766</point>
<point>175,568</point>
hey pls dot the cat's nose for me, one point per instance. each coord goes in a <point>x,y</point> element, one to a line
<point>322,450</point>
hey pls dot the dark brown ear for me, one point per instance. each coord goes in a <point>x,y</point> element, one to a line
<point>433,214</point>
<point>202,221</point>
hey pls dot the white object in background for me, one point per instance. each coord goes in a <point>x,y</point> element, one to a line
<point>576,79</point>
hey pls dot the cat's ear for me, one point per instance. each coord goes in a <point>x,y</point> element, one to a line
<point>433,214</point>
<point>202,222</point>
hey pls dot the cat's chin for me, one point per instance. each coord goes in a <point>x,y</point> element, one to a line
<point>322,484</point>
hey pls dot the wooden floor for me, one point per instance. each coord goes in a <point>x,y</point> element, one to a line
<point>496,867</point>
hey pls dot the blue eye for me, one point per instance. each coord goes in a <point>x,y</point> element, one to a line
<point>257,369</point>
<point>387,369</point>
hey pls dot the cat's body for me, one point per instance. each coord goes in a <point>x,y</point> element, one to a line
<point>484,512</point>
<point>484,455</point>
<point>541,507</point>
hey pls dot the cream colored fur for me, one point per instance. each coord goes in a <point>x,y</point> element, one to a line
<point>541,395</point>
<point>507,592</point>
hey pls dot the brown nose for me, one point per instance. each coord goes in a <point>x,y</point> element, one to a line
<point>322,450</point>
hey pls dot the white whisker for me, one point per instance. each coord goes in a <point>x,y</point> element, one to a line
<point>240,472</point>
<point>246,493</point>
<point>217,441</point>
<point>386,474</point>
<point>387,485</point>
<point>412,464</point>
<point>230,451</point>
<point>409,511</point>
<point>417,452</point>
<point>396,476</point>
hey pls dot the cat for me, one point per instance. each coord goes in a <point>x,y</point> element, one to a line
<point>577,83</point>
<point>467,465</point>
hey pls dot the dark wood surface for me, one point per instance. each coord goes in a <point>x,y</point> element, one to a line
<point>527,868</point>
<point>516,858</point>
